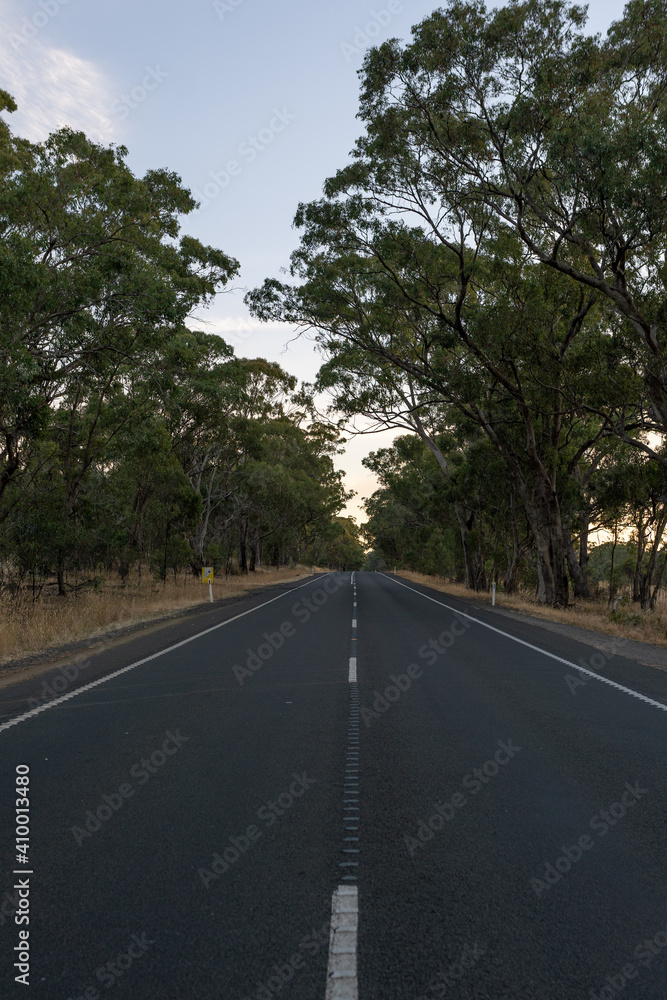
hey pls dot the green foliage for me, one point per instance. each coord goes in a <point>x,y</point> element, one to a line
<point>94,280</point>
<point>339,546</point>
<point>374,562</point>
<point>599,565</point>
<point>492,262</point>
<point>126,438</point>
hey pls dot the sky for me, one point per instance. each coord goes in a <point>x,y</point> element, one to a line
<point>269,87</point>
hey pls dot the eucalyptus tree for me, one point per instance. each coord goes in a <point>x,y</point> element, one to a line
<point>95,276</point>
<point>126,436</point>
<point>631,492</point>
<point>360,384</point>
<point>413,324</point>
<point>336,544</point>
<point>413,520</point>
<point>518,119</point>
<point>510,165</point>
<point>412,516</point>
<point>289,491</point>
<point>144,500</point>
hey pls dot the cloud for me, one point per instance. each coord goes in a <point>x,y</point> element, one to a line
<point>236,330</point>
<point>232,324</point>
<point>53,88</point>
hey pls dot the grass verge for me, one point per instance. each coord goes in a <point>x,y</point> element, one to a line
<point>27,628</point>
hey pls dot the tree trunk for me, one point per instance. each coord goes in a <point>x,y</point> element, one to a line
<point>512,578</point>
<point>637,576</point>
<point>613,557</point>
<point>658,582</point>
<point>553,586</point>
<point>541,585</point>
<point>243,548</point>
<point>466,520</point>
<point>543,513</point>
<point>164,562</point>
<point>579,579</point>
<point>557,551</point>
<point>559,563</point>
<point>60,576</point>
<point>199,540</point>
<point>478,567</point>
<point>511,581</point>
<point>646,584</point>
<point>140,543</point>
<point>585,522</point>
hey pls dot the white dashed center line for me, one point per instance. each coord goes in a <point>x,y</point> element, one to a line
<point>342,982</point>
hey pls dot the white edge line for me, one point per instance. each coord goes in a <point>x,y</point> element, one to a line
<point>342,981</point>
<point>522,642</point>
<point>146,659</point>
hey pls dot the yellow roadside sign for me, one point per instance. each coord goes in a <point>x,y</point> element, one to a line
<point>207,574</point>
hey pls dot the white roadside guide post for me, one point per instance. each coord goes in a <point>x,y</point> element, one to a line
<point>493,595</point>
<point>207,575</point>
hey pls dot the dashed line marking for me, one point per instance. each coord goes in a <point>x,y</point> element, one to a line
<point>342,969</point>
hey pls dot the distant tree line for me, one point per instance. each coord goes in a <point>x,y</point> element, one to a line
<point>488,275</point>
<point>129,441</point>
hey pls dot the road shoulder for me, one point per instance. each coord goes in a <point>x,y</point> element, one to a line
<point>642,652</point>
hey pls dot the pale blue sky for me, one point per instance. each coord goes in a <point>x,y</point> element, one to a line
<point>270,86</point>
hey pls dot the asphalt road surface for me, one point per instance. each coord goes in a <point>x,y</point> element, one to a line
<point>346,789</point>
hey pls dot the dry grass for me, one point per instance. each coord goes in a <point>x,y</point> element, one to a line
<point>27,627</point>
<point>627,621</point>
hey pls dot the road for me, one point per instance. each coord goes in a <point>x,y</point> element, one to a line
<point>480,803</point>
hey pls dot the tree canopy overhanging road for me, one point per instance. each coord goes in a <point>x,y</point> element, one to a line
<point>348,787</point>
